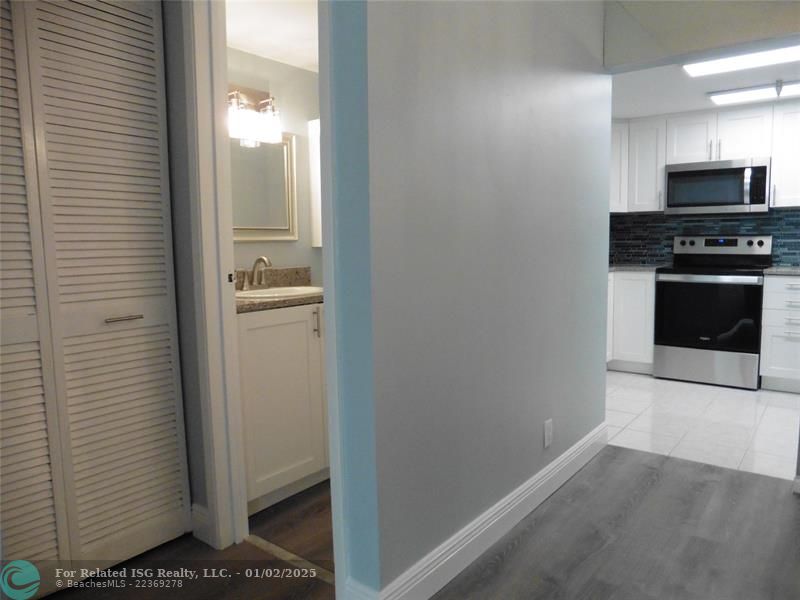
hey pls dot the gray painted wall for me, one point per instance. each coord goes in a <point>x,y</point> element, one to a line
<point>297,97</point>
<point>488,163</point>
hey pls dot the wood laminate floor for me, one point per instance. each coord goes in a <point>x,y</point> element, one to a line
<point>638,526</point>
<point>300,524</point>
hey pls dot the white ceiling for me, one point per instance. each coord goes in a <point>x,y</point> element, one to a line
<point>669,89</point>
<point>281,30</point>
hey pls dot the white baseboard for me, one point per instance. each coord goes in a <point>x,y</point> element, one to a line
<point>201,525</point>
<point>628,366</point>
<point>781,384</point>
<point>438,567</point>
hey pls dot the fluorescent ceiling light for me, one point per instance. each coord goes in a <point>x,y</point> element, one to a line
<point>744,61</point>
<point>789,90</point>
<point>740,96</point>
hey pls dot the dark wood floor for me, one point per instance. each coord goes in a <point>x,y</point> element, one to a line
<point>639,526</point>
<point>300,524</point>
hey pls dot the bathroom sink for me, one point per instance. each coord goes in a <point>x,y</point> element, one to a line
<point>278,293</point>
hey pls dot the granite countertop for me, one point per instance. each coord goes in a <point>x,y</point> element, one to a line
<point>277,277</point>
<point>246,305</point>
<point>640,268</point>
<point>787,270</point>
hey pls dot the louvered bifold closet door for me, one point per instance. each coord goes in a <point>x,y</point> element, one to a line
<point>31,490</point>
<point>99,115</point>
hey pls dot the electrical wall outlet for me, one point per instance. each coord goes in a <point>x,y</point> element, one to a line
<point>548,433</point>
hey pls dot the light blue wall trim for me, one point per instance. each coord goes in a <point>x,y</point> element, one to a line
<point>351,270</point>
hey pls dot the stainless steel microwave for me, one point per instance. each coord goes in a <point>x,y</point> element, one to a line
<point>719,186</point>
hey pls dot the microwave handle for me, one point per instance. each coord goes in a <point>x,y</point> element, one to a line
<point>746,185</point>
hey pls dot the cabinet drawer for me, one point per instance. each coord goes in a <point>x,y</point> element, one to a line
<point>780,353</point>
<point>782,293</point>
<point>789,319</point>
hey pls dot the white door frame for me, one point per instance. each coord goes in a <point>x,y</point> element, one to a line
<point>207,172</point>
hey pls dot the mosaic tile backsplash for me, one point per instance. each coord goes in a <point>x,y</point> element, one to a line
<point>646,238</point>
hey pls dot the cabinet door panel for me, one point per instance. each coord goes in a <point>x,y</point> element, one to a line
<point>646,161</point>
<point>281,386</point>
<point>786,155</point>
<point>99,121</point>
<point>780,352</point>
<point>744,133</point>
<point>634,298</point>
<point>690,138</point>
<point>618,192</point>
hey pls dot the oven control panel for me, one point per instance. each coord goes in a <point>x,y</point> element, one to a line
<point>760,245</point>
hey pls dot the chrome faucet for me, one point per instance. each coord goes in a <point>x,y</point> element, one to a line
<point>255,275</point>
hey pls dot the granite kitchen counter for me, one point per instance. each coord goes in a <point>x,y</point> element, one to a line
<point>786,270</point>
<point>633,268</point>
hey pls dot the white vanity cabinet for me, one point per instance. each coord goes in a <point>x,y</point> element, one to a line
<point>780,329</point>
<point>632,320</point>
<point>283,402</point>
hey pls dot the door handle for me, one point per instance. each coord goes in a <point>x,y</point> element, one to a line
<point>317,329</point>
<point>123,318</point>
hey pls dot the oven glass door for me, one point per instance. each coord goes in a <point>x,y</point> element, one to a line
<point>710,316</point>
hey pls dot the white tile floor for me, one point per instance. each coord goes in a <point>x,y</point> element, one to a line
<point>738,429</point>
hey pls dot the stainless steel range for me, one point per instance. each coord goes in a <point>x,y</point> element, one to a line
<point>708,310</point>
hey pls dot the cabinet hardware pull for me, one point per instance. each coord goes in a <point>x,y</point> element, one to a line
<point>660,199</point>
<point>790,320</point>
<point>792,303</point>
<point>774,191</point>
<point>719,149</point>
<point>793,286</point>
<point>316,323</point>
<point>710,150</point>
<point>123,318</point>
<point>792,333</point>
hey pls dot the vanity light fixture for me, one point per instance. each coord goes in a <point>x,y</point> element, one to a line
<point>270,128</point>
<point>741,62</point>
<point>243,121</point>
<point>253,127</point>
<point>755,94</point>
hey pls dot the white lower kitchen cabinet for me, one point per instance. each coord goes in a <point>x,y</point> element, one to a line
<point>780,333</point>
<point>632,321</point>
<point>283,403</point>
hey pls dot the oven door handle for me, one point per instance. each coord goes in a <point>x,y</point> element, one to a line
<point>723,279</point>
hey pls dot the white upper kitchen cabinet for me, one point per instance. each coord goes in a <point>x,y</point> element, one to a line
<point>633,318</point>
<point>646,161</point>
<point>691,138</point>
<point>786,155</point>
<point>618,191</point>
<point>744,133</point>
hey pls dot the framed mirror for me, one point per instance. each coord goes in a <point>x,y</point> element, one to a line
<point>264,191</point>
